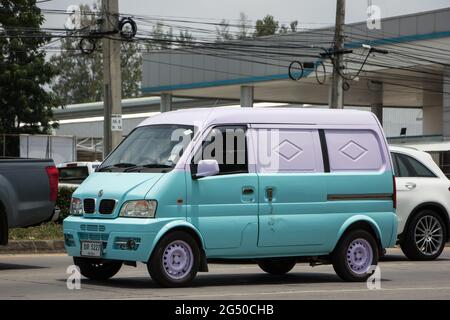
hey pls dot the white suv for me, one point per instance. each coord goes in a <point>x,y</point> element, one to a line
<point>423,204</point>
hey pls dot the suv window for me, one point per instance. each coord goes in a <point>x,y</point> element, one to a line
<point>406,166</point>
<point>227,145</point>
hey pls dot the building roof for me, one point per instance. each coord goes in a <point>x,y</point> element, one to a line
<point>218,71</point>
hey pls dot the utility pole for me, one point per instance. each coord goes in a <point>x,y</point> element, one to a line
<point>112,80</point>
<point>336,100</point>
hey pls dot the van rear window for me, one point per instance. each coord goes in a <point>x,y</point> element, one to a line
<point>351,150</point>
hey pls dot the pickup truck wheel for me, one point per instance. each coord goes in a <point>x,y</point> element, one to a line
<point>175,260</point>
<point>97,269</point>
<point>277,266</point>
<point>425,236</point>
<point>3,227</point>
<point>355,255</point>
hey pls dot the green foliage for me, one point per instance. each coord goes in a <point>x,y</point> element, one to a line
<point>81,75</point>
<point>263,27</point>
<point>131,64</point>
<point>266,27</point>
<point>293,25</point>
<point>223,31</point>
<point>161,38</point>
<point>243,27</point>
<point>185,39</point>
<point>46,231</point>
<point>25,104</point>
<point>291,28</point>
<point>63,201</point>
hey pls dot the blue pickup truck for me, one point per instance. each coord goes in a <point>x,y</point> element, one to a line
<point>28,192</point>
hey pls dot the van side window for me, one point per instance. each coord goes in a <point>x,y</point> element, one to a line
<point>227,145</point>
<point>288,150</point>
<point>410,167</point>
<point>353,150</point>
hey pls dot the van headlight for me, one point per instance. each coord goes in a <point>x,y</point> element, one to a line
<point>76,207</point>
<point>139,209</point>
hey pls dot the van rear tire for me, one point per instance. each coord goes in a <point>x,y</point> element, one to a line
<point>277,266</point>
<point>175,260</point>
<point>97,269</point>
<point>355,256</point>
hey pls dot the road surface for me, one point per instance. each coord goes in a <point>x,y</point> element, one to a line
<point>44,277</point>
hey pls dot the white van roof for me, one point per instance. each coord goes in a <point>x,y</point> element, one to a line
<point>220,115</point>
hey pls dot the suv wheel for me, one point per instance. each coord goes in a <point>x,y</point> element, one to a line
<point>425,236</point>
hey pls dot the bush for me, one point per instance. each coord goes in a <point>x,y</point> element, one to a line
<point>46,231</point>
<point>63,201</point>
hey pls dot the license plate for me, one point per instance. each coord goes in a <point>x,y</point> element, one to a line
<point>91,248</point>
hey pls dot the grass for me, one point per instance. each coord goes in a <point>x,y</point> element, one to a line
<point>46,231</point>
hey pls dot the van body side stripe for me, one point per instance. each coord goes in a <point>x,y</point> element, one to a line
<point>368,196</point>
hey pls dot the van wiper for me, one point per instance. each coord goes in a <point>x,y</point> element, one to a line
<point>147,166</point>
<point>117,165</point>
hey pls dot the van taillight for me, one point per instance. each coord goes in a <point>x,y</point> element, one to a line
<point>53,175</point>
<point>394,194</point>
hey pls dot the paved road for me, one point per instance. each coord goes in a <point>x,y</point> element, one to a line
<point>44,277</point>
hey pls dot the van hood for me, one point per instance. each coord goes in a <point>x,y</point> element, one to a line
<point>119,186</point>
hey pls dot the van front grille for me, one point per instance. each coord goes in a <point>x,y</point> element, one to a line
<point>107,206</point>
<point>89,205</point>
<point>92,227</point>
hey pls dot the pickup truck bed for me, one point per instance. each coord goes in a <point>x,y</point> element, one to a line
<point>27,193</point>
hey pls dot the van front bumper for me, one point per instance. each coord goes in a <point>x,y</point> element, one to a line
<point>127,239</point>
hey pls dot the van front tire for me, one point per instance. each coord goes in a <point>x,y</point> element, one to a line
<point>175,260</point>
<point>277,266</point>
<point>97,269</point>
<point>355,256</point>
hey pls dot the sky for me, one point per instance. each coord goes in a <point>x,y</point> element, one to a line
<point>309,13</point>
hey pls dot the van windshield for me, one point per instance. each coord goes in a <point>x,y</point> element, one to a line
<point>154,148</point>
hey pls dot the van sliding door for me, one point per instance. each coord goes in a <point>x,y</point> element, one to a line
<point>292,191</point>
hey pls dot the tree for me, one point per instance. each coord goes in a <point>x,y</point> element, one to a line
<point>266,27</point>
<point>185,39</point>
<point>291,28</point>
<point>243,26</point>
<point>25,104</point>
<point>223,31</point>
<point>81,75</point>
<point>283,29</point>
<point>294,25</point>
<point>161,39</point>
<point>131,65</point>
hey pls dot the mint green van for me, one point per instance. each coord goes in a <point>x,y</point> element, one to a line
<point>274,186</point>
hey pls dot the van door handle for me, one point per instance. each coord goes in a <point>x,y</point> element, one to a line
<point>247,191</point>
<point>410,185</point>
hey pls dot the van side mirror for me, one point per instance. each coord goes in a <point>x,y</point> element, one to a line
<point>206,168</point>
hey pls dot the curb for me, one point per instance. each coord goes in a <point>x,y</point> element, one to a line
<point>33,246</point>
